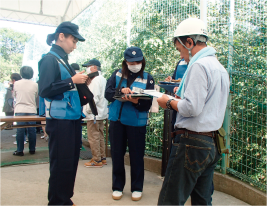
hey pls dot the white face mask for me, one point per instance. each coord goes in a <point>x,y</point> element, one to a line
<point>135,68</point>
<point>88,70</point>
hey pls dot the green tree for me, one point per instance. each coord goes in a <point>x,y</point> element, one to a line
<point>11,51</point>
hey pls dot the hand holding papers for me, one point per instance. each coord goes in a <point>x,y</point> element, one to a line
<point>156,94</point>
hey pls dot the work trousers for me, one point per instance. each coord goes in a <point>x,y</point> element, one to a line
<point>95,134</point>
<point>190,170</point>
<point>64,151</point>
<point>119,136</point>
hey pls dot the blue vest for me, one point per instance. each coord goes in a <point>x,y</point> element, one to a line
<point>180,70</point>
<point>129,114</point>
<point>68,108</point>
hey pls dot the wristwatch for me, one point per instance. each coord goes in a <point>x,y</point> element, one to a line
<point>168,104</point>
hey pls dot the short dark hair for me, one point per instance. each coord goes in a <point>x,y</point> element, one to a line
<point>75,66</point>
<point>126,71</point>
<point>26,72</point>
<point>15,76</point>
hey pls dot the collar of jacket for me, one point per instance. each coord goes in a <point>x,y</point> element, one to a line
<point>59,51</point>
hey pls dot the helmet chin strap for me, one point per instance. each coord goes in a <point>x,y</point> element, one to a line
<point>189,49</point>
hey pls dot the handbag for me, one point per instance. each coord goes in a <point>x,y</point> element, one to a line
<point>85,95</point>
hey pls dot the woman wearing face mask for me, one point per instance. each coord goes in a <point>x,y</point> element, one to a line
<point>128,121</point>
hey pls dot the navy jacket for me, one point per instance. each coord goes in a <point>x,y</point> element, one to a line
<point>50,83</point>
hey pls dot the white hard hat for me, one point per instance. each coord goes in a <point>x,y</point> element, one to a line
<point>193,27</point>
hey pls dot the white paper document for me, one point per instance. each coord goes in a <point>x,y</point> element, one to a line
<point>155,93</point>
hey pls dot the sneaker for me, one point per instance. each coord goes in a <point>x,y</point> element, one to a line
<point>14,135</point>
<point>18,153</point>
<point>32,152</point>
<point>42,137</point>
<point>136,195</point>
<point>117,195</point>
<point>104,161</point>
<point>16,142</point>
<point>93,163</point>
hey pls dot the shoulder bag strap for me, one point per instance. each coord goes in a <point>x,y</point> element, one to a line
<point>71,73</point>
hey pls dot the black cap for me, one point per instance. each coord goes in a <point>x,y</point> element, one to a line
<point>75,66</point>
<point>133,54</point>
<point>94,62</point>
<point>67,28</point>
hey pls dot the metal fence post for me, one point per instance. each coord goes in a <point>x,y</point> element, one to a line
<point>166,143</point>
<point>227,117</point>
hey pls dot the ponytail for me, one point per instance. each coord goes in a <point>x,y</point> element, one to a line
<point>50,38</point>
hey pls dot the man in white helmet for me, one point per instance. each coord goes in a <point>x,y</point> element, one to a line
<point>200,105</point>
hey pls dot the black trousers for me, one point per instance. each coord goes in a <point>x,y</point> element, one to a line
<point>64,151</point>
<point>120,135</point>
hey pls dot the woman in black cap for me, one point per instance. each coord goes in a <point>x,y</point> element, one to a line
<point>63,112</point>
<point>128,121</point>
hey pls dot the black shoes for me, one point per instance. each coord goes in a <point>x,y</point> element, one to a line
<point>18,153</point>
<point>21,153</point>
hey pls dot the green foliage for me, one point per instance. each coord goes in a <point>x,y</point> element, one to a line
<point>103,26</point>
<point>153,24</point>
<point>11,51</point>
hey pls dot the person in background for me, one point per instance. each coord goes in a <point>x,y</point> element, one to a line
<point>128,121</point>
<point>8,102</point>
<point>177,74</point>
<point>179,71</point>
<point>200,104</point>
<point>58,88</point>
<point>38,129</point>
<point>95,128</point>
<point>76,67</point>
<point>25,93</point>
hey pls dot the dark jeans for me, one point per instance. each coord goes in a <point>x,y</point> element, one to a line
<point>64,151</point>
<point>21,134</point>
<point>119,136</point>
<point>190,171</point>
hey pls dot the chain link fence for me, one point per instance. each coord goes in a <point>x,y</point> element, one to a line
<point>237,30</point>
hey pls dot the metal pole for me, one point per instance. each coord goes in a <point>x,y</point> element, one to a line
<point>227,117</point>
<point>166,143</point>
<point>129,25</point>
<point>203,11</point>
<point>164,160</point>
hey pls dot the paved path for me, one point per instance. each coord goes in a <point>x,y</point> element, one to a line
<point>27,185</point>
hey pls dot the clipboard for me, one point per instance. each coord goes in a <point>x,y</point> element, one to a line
<point>169,86</point>
<point>140,96</point>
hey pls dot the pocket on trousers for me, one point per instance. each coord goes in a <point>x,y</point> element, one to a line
<point>197,158</point>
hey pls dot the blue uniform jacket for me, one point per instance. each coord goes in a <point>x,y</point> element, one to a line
<point>50,84</point>
<point>143,105</point>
